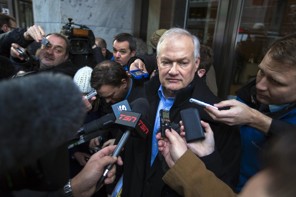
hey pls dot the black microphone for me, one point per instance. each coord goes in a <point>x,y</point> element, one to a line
<point>100,123</point>
<point>38,113</point>
<point>115,153</point>
<point>106,120</point>
<point>191,121</point>
<point>140,106</point>
<point>94,128</point>
<point>132,120</point>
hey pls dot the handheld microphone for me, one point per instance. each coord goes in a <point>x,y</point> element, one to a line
<point>94,128</point>
<point>106,120</point>
<point>132,121</point>
<point>191,121</point>
<point>101,123</point>
<point>120,106</point>
<point>116,152</point>
<point>140,106</point>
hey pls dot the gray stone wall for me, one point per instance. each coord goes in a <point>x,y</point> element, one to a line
<point>105,17</point>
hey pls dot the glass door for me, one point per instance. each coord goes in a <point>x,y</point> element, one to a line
<point>262,21</point>
<point>201,19</point>
<point>239,32</point>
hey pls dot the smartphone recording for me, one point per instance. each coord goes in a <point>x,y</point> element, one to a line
<point>201,103</point>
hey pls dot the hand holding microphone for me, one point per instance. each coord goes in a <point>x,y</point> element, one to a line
<point>133,122</point>
<point>173,146</point>
<point>84,183</point>
<point>115,153</point>
<point>203,147</point>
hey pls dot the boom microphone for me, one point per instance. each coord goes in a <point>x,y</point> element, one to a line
<point>38,113</point>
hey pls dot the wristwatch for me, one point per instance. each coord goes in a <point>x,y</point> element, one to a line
<point>68,189</point>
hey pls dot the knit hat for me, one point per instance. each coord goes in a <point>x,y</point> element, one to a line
<point>82,79</point>
<point>155,37</point>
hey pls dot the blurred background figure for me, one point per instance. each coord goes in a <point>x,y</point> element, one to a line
<point>101,43</point>
<point>7,23</point>
<point>155,37</point>
<point>206,69</point>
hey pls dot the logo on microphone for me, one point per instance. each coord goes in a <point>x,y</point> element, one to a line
<point>122,108</point>
<point>128,119</point>
<point>143,127</point>
<point>119,107</point>
<point>132,119</point>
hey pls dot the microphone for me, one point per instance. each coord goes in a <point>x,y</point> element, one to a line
<point>100,123</point>
<point>132,121</point>
<point>106,120</point>
<point>116,152</point>
<point>38,113</point>
<point>191,121</point>
<point>120,106</point>
<point>140,106</point>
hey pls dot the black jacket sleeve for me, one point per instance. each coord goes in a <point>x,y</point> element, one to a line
<point>98,56</point>
<point>149,61</point>
<point>277,127</point>
<point>14,36</point>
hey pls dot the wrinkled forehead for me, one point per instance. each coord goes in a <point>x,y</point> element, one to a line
<point>283,65</point>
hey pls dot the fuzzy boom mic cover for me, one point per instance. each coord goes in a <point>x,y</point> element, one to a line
<point>37,114</point>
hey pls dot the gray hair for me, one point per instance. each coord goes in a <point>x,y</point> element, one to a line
<point>173,32</point>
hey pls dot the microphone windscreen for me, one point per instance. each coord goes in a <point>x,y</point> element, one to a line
<point>38,113</point>
<point>140,105</point>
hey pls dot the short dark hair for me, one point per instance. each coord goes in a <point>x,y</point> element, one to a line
<point>107,73</point>
<point>206,58</point>
<point>126,37</point>
<point>6,19</point>
<point>101,42</point>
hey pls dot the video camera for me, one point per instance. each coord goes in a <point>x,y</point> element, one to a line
<point>80,37</point>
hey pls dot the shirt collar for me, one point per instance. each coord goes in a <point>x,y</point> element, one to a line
<point>274,108</point>
<point>162,97</point>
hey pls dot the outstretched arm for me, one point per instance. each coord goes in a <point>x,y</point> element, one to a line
<point>84,183</point>
<point>239,114</point>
